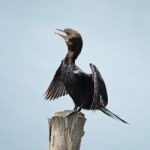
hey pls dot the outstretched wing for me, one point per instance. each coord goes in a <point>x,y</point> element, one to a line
<point>100,98</point>
<point>56,88</point>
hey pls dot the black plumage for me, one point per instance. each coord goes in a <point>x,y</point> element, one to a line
<point>88,91</point>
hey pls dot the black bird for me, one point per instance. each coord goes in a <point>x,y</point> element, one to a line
<point>88,91</point>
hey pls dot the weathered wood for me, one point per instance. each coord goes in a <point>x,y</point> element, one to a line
<point>66,130</point>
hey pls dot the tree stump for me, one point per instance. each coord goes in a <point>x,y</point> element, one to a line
<point>66,130</point>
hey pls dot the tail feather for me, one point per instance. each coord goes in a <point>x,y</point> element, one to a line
<point>110,114</point>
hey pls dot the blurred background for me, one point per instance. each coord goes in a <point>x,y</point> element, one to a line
<point>116,36</point>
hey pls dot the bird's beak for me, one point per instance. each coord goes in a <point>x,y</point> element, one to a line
<point>64,36</point>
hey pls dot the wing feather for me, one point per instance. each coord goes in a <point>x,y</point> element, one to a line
<point>56,88</point>
<point>100,97</point>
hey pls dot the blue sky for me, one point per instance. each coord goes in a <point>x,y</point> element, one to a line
<point>116,36</point>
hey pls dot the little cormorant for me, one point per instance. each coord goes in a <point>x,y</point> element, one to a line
<point>88,91</point>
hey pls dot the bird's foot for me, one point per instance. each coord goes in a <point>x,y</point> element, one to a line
<point>75,108</point>
<point>79,109</point>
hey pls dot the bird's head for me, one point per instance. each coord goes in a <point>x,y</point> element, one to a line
<point>73,40</point>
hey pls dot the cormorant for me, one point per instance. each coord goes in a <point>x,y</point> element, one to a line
<point>88,91</point>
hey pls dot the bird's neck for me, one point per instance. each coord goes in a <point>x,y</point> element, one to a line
<point>71,57</point>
